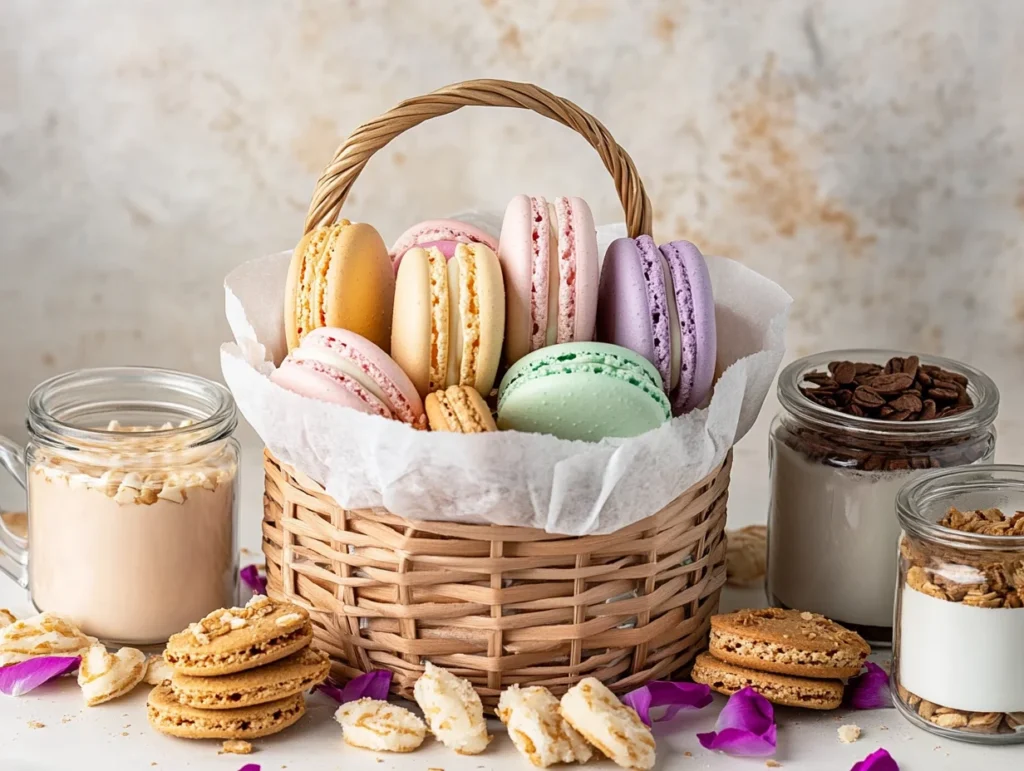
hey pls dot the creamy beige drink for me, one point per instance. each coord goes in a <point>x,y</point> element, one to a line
<point>133,548</point>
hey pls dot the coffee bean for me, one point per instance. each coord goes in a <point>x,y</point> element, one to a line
<point>928,409</point>
<point>910,365</point>
<point>891,384</point>
<point>898,415</point>
<point>942,394</point>
<point>844,373</point>
<point>867,397</point>
<point>895,364</point>
<point>909,402</point>
<point>897,464</point>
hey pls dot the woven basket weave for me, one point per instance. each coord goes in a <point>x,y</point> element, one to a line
<point>497,605</point>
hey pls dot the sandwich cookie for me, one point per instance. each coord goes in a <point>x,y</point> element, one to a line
<point>548,254</point>
<point>340,276</point>
<point>658,302</point>
<point>236,639</point>
<point>170,717</point>
<point>459,409</point>
<point>779,689</point>
<point>585,391</point>
<point>449,318</point>
<point>788,642</point>
<point>295,674</point>
<point>444,234</point>
<point>338,366</point>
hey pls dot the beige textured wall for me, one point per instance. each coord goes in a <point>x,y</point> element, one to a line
<point>867,155</point>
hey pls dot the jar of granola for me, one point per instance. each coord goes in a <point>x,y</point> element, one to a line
<point>854,427</point>
<point>958,669</point>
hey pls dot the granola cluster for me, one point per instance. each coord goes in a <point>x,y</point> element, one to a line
<point>221,622</point>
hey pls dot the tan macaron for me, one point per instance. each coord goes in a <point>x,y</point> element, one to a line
<point>459,409</point>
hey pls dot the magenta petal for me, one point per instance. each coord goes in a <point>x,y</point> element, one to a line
<point>250,767</point>
<point>20,678</point>
<point>879,760</point>
<point>662,693</point>
<point>372,685</point>
<point>745,726</point>
<point>251,577</point>
<point>869,690</point>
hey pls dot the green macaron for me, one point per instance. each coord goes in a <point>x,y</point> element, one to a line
<point>585,391</point>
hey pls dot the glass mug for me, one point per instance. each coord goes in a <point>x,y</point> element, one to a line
<point>132,482</point>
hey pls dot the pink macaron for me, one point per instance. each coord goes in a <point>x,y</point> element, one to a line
<point>548,255</point>
<point>338,366</point>
<point>443,234</point>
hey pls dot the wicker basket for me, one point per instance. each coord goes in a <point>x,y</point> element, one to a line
<point>497,605</point>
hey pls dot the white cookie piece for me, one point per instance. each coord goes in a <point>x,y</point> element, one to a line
<point>158,671</point>
<point>538,730</point>
<point>6,618</point>
<point>453,710</point>
<point>608,724</point>
<point>105,676</point>
<point>45,634</point>
<point>380,726</point>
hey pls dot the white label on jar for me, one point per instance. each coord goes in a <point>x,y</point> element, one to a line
<point>962,657</point>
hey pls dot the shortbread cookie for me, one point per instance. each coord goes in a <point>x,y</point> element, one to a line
<point>167,716</point>
<point>6,618</point>
<point>236,639</point>
<point>746,555</point>
<point>295,674</point>
<point>537,728</point>
<point>788,642</point>
<point>779,689</point>
<point>105,676</point>
<point>453,710</point>
<point>604,721</point>
<point>158,671</point>
<point>46,634</point>
<point>377,725</point>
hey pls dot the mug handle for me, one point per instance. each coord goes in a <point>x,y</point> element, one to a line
<point>13,549</point>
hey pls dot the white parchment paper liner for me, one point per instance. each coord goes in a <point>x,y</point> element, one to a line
<point>503,478</point>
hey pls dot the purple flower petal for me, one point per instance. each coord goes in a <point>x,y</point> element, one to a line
<point>879,760</point>
<point>372,685</point>
<point>661,693</point>
<point>250,767</point>
<point>251,577</point>
<point>20,678</point>
<point>869,690</point>
<point>745,726</point>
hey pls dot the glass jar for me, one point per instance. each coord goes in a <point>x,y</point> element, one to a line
<point>832,530</point>
<point>957,667</point>
<point>132,481</point>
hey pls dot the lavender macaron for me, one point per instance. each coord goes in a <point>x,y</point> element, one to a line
<point>657,301</point>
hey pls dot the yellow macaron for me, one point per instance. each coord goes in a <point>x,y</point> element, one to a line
<point>459,409</point>
<point>340,276</point>
<point>449,318</point>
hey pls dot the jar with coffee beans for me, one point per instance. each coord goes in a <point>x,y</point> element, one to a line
<point>855,426</point>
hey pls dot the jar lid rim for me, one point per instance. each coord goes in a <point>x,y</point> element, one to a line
<point>981,387</point>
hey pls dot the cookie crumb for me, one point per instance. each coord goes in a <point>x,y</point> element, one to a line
<point>36,724</point>
<point>687,754</point>
<point>124,733</point>
<point>773,764</point>
<point>67,719</point>
<point>235,747</point>
<point>848,734</point>
<point>883,728</point>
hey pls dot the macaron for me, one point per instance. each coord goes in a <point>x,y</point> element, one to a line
<point>444,234</point>
<point>338,366</point>
<point>658,302</point>
<point>548,254</point>
<point>459,409</point>
<point>449,317</point>
<point>585,391</point>
<point>340,276</point>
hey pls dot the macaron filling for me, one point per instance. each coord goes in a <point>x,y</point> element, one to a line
<point>565,300</point>
<point>658,302</point>
<point>439,319</point>
<point>683,393</point>
<point>675,343</point>
<point>468,319</point>
<point>540,272</point>
<point>311,289</point>
<point>375,405</point>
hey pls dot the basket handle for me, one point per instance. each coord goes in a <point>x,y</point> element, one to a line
<point>334,184</point>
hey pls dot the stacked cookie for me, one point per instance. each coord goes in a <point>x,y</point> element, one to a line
<point>793,658</point>
<point>239,673</point>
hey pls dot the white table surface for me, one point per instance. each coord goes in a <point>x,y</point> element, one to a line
<point>116,736</point>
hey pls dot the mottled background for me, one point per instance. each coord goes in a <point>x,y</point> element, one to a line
<point>866,155</point>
